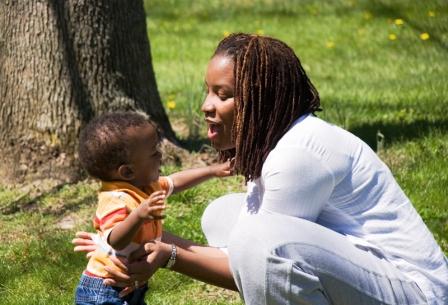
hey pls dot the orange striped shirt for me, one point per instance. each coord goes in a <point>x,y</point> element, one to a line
<point>116,200</point>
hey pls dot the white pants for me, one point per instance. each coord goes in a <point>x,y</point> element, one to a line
<point>278,259</point>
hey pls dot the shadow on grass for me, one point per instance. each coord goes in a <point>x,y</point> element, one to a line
<point>26,202</point>
<point>73,201</point>
<point>397,132</point>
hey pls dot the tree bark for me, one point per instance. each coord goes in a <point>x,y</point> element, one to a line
<point>61,63</point>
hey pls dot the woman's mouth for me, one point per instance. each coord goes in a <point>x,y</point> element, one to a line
<point>212,131</point>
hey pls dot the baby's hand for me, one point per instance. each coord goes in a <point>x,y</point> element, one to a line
<point>223,169</point>
<point>153,207</point>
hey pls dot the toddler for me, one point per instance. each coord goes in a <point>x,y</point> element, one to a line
<point>122,150</point>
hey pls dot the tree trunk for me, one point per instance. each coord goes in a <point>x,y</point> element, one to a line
<point>61,63</point>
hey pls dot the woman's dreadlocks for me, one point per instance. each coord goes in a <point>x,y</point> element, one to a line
<point>271,91</point>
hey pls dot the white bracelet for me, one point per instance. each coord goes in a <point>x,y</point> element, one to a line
<point>172,260</point>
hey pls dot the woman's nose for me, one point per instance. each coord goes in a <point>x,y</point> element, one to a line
<point>207,105</point>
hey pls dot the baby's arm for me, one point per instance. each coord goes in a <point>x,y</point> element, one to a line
<point>123,233</point>
<point>188,178</point>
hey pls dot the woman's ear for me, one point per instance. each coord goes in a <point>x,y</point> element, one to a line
<point>125,172</point>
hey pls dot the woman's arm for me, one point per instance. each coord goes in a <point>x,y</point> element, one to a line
<point>203,263</point>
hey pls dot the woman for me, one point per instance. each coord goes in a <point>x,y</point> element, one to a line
<point>323,220</point>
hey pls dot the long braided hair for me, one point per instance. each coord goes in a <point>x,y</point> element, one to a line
<point>271,91</point>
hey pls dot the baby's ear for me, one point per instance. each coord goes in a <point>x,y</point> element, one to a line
<point>126,172</point>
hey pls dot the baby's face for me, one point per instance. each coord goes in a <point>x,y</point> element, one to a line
<point>146,156</point>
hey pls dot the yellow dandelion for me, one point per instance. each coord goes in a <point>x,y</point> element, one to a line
<point>226,33</point>
<point>398,21</point>
<point>367,15</point>
<point>171,105</point>
<point>392,37</point>
<point>424,36</point>
<point>330,45</point>
<point>431,13</point>
<point>260,32</point>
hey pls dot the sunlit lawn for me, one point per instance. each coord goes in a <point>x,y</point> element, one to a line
<point>380,68</point>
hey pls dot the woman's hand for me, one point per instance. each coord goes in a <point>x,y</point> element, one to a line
<point>143,263</point>
<point>84,242</point>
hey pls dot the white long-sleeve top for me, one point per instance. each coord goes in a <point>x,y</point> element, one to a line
<point>325,174</point>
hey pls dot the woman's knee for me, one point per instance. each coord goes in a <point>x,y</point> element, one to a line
<point>219,218</point>
<point>251,244</point>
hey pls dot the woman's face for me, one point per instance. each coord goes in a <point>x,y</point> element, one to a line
<point>219,105</point>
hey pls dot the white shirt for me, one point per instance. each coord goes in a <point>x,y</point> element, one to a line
<point>325,174</point>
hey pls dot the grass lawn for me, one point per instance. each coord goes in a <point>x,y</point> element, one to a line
<point>380,68</point>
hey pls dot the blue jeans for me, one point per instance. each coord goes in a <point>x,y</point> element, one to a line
<point>92,291</point>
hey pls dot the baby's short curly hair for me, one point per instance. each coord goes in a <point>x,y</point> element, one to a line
<point>104,143</point>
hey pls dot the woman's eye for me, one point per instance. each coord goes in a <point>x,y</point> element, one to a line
<point>224,96</point>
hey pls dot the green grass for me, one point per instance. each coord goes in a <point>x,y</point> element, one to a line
<point>364,79</point>
<point>38,265</point>
<point>367,83</point>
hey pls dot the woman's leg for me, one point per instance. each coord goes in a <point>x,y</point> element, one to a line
<point>277,259</point>
<point>219,218</point>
